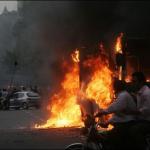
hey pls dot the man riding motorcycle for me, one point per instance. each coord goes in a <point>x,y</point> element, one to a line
<point>122,116</point>
<point>125,118</point>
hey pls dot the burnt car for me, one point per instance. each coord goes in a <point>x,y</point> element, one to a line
<point>25,99</point>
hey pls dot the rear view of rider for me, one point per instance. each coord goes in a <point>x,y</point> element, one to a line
<point>122,115</point>
<point>142,125</point>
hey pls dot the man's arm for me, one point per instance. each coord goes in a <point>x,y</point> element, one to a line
<point>117,106</point>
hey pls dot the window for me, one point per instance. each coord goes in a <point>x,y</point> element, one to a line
<point>31,94</point>
<point>15,95</point>
<point>18,95</point>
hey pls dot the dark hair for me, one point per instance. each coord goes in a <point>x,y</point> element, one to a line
<point>119,85</point>
<point>140,76</point>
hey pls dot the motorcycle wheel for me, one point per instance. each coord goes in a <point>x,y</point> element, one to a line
<point>76,146</point>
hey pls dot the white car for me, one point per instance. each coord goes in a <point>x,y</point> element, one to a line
<point>25,99</point>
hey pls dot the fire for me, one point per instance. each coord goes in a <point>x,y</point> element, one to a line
<point>65,112</point>
<point>128,79</point>
<point>118,46</point>
<point>120,73</point>
<point>99,88</point>
<point>75,56</point>
<point>118,50</point>
<point>148,80</point>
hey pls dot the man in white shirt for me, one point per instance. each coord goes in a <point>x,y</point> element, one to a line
<point>142,126</point>
<point>122,109</point>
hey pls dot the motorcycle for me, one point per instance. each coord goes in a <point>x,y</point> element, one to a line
<point>95,141</point>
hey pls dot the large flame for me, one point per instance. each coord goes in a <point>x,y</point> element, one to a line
<point>65,112</point>
<point>99,88</point>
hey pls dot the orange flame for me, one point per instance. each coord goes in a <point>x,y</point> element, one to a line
<point>99,88</point>
<point>128,79</point>
<point>65,110</point>
<point>148,80</point>
<point>118,46</point>
<point>118,49</point>
<point>75,56</point>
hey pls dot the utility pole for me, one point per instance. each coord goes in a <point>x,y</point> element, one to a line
<point>13,73</point>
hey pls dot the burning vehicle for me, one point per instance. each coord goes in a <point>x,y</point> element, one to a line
<point>87,86</point>
<point>88,79</point>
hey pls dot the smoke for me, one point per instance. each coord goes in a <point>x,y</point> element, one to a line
<point>54,28</point>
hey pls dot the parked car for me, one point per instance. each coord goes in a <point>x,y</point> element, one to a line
<point>25,99</point>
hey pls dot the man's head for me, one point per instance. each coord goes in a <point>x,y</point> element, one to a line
<point>138,80</point>
<point>119,85</point>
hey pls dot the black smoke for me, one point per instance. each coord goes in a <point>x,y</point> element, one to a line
<point>54,28</point>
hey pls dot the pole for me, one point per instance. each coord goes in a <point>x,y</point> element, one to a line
<point>13,74</point>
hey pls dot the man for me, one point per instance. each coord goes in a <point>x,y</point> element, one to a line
<point>142,126</point>
<point>143,96</point>
<point>122,116</point>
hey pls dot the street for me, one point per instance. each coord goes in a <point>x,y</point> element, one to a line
<point>69,64</point>
<point>17,132</point>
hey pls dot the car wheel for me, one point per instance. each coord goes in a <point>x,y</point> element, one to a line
<point>25,106</point>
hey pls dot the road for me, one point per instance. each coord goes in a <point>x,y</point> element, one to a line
<point>17,132</point>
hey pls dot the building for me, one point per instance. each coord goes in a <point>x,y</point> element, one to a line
<point>8,20</point>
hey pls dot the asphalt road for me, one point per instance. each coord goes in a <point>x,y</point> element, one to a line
<point>17,132</point>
